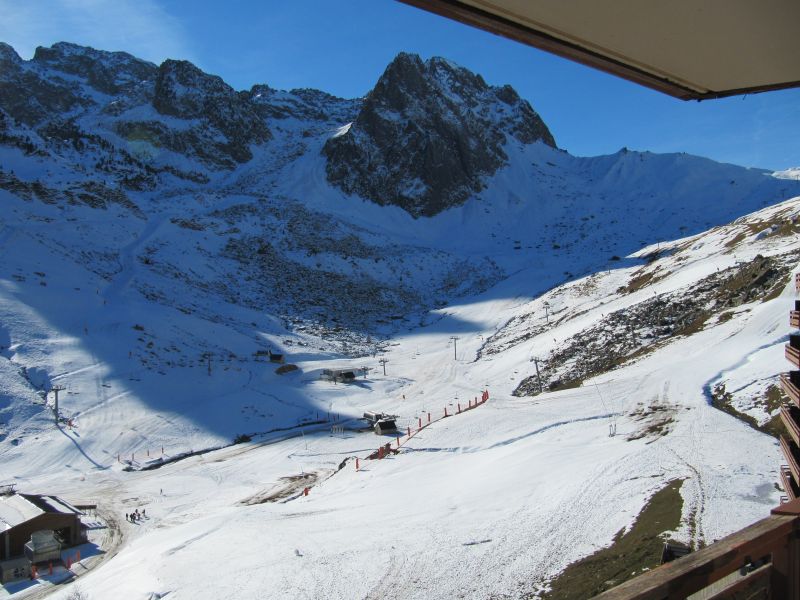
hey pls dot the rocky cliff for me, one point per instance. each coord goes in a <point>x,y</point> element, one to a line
<point>427,134</point>
<point>425,138</point>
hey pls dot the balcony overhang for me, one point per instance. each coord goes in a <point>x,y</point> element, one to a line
<point>790,452</point>
<point>792,354</point>
<point>790,416</point>
<point>790,389</point>
<point>687,49</point>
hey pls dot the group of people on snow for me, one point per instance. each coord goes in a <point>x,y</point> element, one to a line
<point>136,515</point>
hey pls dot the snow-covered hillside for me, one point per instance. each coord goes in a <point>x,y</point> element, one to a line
<point>455,512</point>
<point>157,245</point>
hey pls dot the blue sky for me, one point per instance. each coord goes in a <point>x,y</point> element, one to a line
<point>342,47</point>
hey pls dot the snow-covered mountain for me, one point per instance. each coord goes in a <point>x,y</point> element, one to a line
<point>427,134</point>
<point>270,173</point>
<point>161,232</point>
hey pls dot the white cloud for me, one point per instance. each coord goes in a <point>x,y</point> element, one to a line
<point>140,27</point>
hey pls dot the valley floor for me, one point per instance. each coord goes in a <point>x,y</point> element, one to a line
<point>489,503</point>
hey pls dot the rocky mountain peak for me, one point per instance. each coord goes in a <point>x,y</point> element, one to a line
<point>427,134</point>
<point>30,94</point>
<point>111,73</point>
<point>408,77</point>
<point>8,56</point>
<point>184,91</point>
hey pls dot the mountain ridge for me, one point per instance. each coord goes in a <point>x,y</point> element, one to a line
<point>249,173</point>
<point>196,116</point>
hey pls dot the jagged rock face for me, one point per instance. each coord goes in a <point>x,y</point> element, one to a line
<point>70,87</point>
<point>29,97</point>
<point>426,135</point>
<point>111,73</point>
<point>306,104</point>
<point>423,139</point>
<point>184,91</point>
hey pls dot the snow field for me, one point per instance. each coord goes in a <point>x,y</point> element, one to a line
<point>492,502</point>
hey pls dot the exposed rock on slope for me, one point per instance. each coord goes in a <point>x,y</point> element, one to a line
<point>29,96</point>
<point>184,91</point>
<point>629,333</point>
<point>427,133</point>
<point>111,73</point>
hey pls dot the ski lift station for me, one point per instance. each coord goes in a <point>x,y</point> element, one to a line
<point>381,422</point>
<point>340,375</point>
<point>34,528</point>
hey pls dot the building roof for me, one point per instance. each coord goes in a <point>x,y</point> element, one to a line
<point>685,48</point>
<point>52,504</point>
<point>15,509</point>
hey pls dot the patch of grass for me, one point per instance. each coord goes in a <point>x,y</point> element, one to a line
<point>565,385</point>
<point>784,227</point>
<point>638,281</point>
<point>629,555</point>
<point>654,421</point>
<point>773,427</point>
<point>774,397</point>
<point>726,316</point>
<point>736,240</point>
